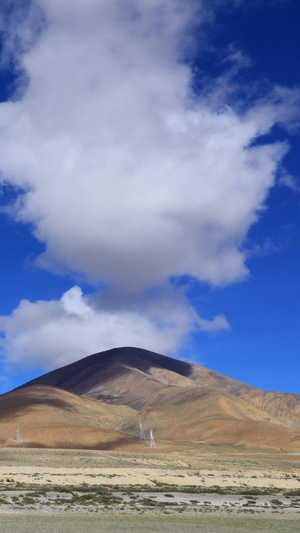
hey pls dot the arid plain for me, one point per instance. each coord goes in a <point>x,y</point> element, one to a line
<point>209,489</point>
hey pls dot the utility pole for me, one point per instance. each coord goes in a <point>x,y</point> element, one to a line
<point>152,441</point>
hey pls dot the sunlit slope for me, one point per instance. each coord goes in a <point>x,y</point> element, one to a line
<point>210,416</point>
<point>281,405</point>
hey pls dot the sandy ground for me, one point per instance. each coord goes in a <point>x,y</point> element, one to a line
<point>74,467</point>
<point>251,477</point>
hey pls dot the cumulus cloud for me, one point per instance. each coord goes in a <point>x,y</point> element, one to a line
<point>130,178</point>
<point>61,331</point>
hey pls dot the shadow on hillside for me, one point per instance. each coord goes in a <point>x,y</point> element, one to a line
<point>10,408</point>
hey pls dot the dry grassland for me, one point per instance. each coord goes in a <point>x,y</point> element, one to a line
<point>144,524</point>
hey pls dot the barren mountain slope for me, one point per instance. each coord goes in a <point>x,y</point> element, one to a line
<point>206,415</point>
<point>283,406</point>
<point>51,417</point>
<point>130,376</point>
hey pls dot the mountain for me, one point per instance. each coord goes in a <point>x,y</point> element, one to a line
<point>131,376</point>
<point>99,401</point>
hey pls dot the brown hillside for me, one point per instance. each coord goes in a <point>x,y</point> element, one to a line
<point>100,400</point>
<point>131,376</point>
<point>281,405</point>
<point>210,416</point>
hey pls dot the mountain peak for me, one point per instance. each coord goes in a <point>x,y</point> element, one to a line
<point>130,375</point>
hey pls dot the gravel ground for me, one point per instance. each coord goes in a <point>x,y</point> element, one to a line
<point>129,500</point>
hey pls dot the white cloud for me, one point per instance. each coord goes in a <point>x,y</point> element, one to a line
<point>130,178</point>
<point>57,332</point>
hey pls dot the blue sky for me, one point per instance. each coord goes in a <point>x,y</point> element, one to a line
<point>150,184</point>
